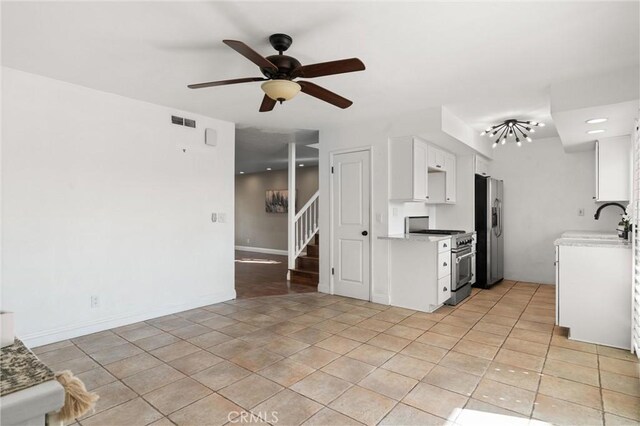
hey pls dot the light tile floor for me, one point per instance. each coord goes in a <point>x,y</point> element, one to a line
<point>317,359</point>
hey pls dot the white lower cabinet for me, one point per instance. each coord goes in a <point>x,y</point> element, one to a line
<point>593,288</point>
<point>419,273</point>
<point>444,289</point>
<point>444,264</point>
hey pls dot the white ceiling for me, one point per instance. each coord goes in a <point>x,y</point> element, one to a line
<point>486,60</point>
<point>259,148</point>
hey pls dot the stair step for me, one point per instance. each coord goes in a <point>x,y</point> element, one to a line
<point>299,276</point>
<point>313,250</point>
<point>308,263</point>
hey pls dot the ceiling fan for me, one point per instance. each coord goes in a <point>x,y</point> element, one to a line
<point>280,71</point>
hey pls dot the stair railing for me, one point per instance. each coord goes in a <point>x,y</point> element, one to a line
<point>306,224</point>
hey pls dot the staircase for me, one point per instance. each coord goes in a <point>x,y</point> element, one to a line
<point>303,232</point>
<point>307,265</point>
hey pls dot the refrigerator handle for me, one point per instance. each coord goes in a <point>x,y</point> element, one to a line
<point>499,208</point>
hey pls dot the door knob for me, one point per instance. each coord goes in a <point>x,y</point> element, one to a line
<point>365,233</point>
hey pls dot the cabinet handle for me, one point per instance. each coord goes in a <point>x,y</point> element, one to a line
<point>438,166</point>
<point>593,198</point>
<point>444,245</point>
<point>426,196</point>
<point>448,199</point>
<point>444,289</point>
<point>444,264</point>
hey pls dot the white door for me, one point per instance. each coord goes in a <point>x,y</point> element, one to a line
<point>351,234</point>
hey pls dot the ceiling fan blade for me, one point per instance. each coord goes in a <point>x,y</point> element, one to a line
<point>324,94</point>
<point>225,82</point>
<point>267,104</point>
<point>250,54</point>
<point>330,68</point>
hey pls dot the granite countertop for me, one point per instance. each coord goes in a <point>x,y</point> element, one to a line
<point>21,369</point>
<point>415,237</point>
<point>593,242</point>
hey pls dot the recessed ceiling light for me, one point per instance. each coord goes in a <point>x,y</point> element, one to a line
<point>268,168</point>
<point>241,173</point>
<point>300,165</point>
<point>596,120</point>
<point>593,132</point>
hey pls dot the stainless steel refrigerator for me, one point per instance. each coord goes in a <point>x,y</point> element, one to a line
<point>490,232</point>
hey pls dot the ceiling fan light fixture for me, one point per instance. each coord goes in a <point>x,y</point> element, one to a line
<point>281,90</point>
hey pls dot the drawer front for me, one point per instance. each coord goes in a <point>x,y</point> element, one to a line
<point>444,264</point>
<point>444,245</point>
<point>444,289</point>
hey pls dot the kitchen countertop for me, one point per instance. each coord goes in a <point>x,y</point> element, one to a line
<point>601,235</point>
<point>415,237</point>
<point>592,242</point>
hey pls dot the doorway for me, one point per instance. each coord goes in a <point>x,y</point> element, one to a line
<point>262,205</point>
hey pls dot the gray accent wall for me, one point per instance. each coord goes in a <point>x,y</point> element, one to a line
<point>254,226</point>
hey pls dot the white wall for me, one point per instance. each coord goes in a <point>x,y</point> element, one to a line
<point>543,189</point>
<point>255,228</point>
<point>99,198</point>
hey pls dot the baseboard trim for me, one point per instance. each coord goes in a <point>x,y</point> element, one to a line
<point>324,288</point>
<point>69,332</point>
<point>263,250</point>
<point>380,298</point>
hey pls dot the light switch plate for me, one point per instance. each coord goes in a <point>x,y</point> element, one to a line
<point>222,217</point>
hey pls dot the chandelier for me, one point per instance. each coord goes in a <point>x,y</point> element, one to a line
<point>512,128</point>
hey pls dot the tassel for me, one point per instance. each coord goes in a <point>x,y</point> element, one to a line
<point>77,400</point>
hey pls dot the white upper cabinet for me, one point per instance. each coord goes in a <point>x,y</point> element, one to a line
<point>482,166</point>
<point>436,158</point>
<point>613,168</point>
<point>408,174</point>
<point>450,180</point>
<point>421,172</point>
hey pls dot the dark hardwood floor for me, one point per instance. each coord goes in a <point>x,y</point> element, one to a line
<point>259,274</point>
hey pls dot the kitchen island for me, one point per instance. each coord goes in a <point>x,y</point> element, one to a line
<point>419,271</point>
<point>593,287</point>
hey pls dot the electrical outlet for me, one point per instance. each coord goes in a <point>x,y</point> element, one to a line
<point>95,301</point>
<point>222,217</point>
<point>214,217</point>
<point>580,212</point>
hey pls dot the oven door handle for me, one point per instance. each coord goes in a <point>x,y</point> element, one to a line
<point>458,259</point>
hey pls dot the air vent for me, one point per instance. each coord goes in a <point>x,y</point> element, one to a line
<point>183,121</point>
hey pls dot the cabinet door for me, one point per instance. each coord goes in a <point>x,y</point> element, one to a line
<point>444,264</point>
<point>436,158</point>
<point>612,169</point>
<point>420,175</point>
<point>444,289</point>
<point>450,181</point>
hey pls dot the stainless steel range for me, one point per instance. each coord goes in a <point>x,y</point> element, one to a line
<point>462,255</point>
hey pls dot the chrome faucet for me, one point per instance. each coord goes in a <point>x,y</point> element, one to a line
<point>597,215</point>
